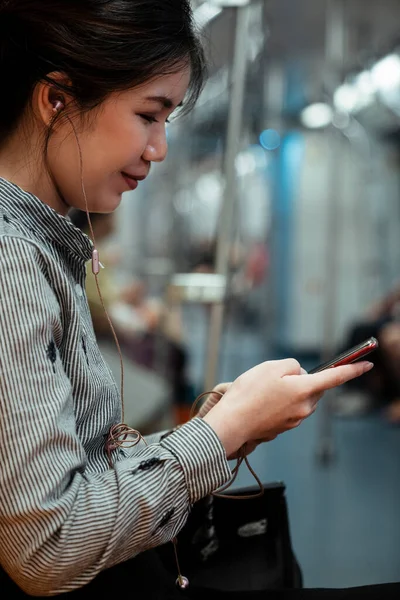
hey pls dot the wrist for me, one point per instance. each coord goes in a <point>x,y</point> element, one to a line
<point>230,437</point>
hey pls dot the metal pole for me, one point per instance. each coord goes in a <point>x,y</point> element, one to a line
<point>335,52</point>
<point>226,219</point>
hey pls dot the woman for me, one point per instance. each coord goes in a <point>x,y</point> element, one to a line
<point>88,88</point>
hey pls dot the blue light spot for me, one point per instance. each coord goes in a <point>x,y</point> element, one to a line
<point>270,139</point>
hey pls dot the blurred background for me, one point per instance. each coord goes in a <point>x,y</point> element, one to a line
<point>273,230</point>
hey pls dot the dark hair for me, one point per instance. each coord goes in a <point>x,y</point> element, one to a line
<point>101,46</point>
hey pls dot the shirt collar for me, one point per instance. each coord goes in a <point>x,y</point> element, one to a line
<point>42,220</point>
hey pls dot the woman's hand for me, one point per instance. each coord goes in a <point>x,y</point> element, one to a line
<point>271,398</point>
<point>212,399</point>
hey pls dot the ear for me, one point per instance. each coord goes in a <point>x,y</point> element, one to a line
<point>49,97</point>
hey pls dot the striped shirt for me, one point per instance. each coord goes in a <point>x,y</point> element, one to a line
<point>64,514</point>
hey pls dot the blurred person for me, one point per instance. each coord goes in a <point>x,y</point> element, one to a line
<point>248,270</point>
<point>249,267</point>
<point>257,264</point>
<point>89,86</point>
<point>379,389</point>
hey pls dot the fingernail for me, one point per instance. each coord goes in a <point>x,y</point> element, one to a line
<point>368,366</point>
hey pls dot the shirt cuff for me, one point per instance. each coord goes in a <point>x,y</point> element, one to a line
<point>202,457</point>
<point>155,438</point>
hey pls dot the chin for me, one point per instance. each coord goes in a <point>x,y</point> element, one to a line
<point>117,201</point>
<point>109,203</point>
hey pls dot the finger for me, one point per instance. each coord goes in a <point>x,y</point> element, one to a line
<point>221,388</point>
<point>287,366</point>
<point>300,372</point>
<point>315,400</point>
<point>211,401</point>
<point>334,377</point>
<point>250,447</point>
<point>213,398</point>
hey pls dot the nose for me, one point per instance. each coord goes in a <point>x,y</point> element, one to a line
<point>157,147</point>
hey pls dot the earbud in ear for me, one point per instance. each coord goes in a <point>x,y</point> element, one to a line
<point>58,105</point>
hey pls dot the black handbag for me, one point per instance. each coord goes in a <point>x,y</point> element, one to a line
<point>237,545</point>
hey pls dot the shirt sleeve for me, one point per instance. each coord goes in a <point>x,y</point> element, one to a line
<point>159,436</point>
<point>61,524</point>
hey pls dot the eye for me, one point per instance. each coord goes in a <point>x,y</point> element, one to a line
<point>151,119</point>
<point>148,118</point>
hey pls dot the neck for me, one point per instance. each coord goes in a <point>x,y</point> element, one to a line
<point>27,169</point>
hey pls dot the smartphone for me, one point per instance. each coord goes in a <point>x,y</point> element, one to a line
<point>349,356</point>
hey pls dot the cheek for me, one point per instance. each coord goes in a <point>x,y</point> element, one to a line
<point>118,141</point>
<point>112,154</point>
<point>64,163</point>
<point>112,145</point>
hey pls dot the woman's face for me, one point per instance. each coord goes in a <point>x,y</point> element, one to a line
<point>118,147</point>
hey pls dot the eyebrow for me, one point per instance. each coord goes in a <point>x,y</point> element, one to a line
<point>163,100</point>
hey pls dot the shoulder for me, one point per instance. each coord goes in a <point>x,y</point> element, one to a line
<point>27,282</point>
<point>18,243</point>
<point>24,261</point>
<point>10,230</point>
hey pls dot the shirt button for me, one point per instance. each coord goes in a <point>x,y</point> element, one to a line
<point>166,518</point>
<point>145,465</point>
<point>79,291</point>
